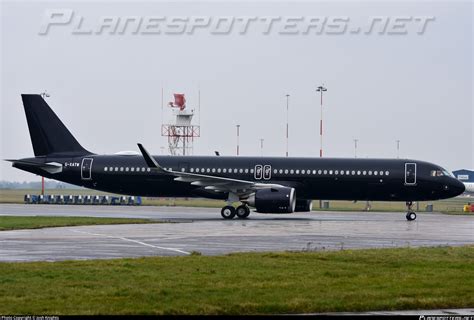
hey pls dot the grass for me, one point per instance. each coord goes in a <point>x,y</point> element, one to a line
<point>251,283</point>
<point>36,222</point>
<point>452,206</point>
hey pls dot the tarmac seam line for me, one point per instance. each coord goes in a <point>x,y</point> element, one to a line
<point>134,241</point>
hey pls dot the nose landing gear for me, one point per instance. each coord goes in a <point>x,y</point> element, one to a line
<point>411,215</point>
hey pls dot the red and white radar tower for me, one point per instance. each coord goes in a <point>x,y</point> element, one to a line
<point>181,133</point>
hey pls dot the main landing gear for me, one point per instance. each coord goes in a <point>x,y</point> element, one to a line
<point>411,215</point>
<point>229,212</point>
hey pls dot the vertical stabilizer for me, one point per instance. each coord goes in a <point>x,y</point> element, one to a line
<point>49,135</point>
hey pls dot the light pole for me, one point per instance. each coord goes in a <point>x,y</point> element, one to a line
<point>321,89</point>
<point>355,147</point>
<point>261,146</point>
<point>287,117</point>
<point>238,136</point>
<point>398,149</point>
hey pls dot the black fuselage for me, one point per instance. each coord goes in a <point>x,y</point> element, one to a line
<point>272,184</point>
<point>312,178</point>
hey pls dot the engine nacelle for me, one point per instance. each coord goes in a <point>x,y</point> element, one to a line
<point>303,205</point>
<point>273,200</point>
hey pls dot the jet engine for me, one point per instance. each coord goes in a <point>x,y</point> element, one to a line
<point>273,200</point>
<point>303,205</point>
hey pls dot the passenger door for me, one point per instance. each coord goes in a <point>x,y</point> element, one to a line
<point>410,174</point>
<point>86,168</point>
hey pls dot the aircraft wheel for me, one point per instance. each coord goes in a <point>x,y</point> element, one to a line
<point>242,211</point>
<point>228,212</point>
<point>411,216</point>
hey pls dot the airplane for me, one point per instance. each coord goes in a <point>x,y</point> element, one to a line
<point>268,184</point>
<point>466,177</point>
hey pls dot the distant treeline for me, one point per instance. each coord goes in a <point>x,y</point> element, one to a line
<point>36,185</point>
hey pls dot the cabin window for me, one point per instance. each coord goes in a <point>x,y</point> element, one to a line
<point>330,171</point>
<point>297,171</point>
<point>121,168</point>
<point>224,170</point>
<point>387,173</point>
<point>241,170</point>
<point>280,171</point>
<point>358,172</point>
<point>127,169</point>
<point>370,172</point>
<point>286,171</point>
<point>213,170</point>
<point>143,169</point>
<point>105,169</point>
<point>319,172</point>
<point>325,172</point>
<point>247,170</point>
<point>251,170</point>
<point>364,172</point>
<point>314,171</point>
<point>208,170</point>
<point>148,169</point>
<point>342,172</point>
<point>275,171</point>
<point>381,173</point>
<point>292,171</point>
<point>336,172</point>
<point>132,169</point>
<point>376,173</point>
<point>235,170</point>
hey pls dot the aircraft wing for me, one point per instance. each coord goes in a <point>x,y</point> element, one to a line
<point>214,183</point>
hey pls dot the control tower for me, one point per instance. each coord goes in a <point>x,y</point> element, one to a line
<point>180,132</point>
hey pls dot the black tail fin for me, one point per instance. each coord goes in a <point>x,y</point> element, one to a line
<point>49,135</point>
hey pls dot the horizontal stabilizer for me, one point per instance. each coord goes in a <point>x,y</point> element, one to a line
<point>50,167</point>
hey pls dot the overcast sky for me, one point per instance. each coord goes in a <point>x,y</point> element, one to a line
<point>106,88</point>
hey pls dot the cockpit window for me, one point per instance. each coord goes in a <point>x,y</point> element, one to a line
<point>437,173</point>
<point>447,173</point>
<point>440,173</point>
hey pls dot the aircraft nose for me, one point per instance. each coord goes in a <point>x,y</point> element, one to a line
<point>456,187</point>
